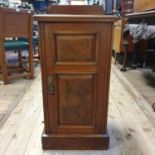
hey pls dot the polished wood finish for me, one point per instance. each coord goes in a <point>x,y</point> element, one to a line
<point>76,99</point>
<point>76,9</point>
<point>75,57</point>
<point>74,142</point>
<point>141,14</point>
<point>15,23</point>
<point>75,47</point>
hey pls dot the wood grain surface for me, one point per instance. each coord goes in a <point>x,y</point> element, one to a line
<point>143,5</point>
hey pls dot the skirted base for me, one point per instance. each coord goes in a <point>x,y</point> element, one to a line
<point>75,142</point>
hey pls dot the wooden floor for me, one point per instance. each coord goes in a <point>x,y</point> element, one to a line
<point>131,123</point>
<point>11,94</point>
<point>144,80</point>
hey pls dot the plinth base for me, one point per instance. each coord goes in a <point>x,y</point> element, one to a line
<point>75,142</point>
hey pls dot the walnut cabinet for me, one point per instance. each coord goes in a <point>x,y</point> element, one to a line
<point>75,53</point>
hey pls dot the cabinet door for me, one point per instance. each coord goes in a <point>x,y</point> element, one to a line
<point>77,60</point>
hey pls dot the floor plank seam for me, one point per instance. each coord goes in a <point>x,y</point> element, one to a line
<point>144,110</point>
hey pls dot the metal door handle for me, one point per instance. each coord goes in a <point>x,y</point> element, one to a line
<point>51,85</point>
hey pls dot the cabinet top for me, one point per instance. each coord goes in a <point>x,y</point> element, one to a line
<point>75,18</point>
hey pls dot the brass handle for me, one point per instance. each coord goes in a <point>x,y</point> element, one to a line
<point>51,86</point>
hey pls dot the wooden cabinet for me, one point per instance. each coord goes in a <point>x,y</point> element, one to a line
<point>75,58</point>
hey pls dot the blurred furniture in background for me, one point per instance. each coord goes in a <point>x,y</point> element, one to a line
<point>132,35</point>
<point>142,27</point>
<point>118,40</point>
<point>16,24</point>
<point>4,3</point>
<point>143,5</point>
<point>144,10</point>
<point>40,5</point>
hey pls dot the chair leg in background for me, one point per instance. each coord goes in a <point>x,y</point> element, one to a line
<point>31,65</point>
<point>20,59</point>
<point>115,55</point>
<point>124,66</point>
<point>3,65</point>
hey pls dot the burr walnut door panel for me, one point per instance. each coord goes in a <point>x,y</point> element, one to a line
<point>74,56</point>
